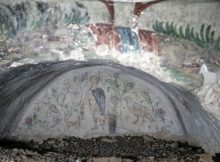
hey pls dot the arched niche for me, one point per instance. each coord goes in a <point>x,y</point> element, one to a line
<point>99,98</point>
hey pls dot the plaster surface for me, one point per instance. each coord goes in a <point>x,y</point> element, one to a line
<point>194,13</point>
<point>96,98</point>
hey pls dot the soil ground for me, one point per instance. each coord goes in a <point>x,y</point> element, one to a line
<point>117,149</point>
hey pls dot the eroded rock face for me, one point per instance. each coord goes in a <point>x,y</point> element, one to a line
<point>96,98</point>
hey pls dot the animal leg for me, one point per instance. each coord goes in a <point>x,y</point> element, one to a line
<point>143,120</point>
<point>135,122</point>
<point>95,124</point>
<point>150,118</point>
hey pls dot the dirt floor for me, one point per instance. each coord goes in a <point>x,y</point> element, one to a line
<point>117,149</point>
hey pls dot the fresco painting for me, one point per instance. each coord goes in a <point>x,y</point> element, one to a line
<point>106,103</point>
<point>50,34</point>
<point>106,33</point>
<point>124,39</point>
<point>66,70</point>
<point>99,98</point>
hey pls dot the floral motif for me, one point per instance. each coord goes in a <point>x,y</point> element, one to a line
<point>160,113</point>
<point>30,119</point>
<point>115,100</point>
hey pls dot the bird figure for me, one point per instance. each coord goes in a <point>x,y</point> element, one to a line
<point>138,110</point>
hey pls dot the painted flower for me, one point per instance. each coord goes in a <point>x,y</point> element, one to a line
<point>114,100</point>
<point>29,121</point>
<point>84,77</point>
<point>128,86</point>
<point>160,113</point>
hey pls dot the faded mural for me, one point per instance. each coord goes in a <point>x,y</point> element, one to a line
<point>88,104</point>
<point>33,32</point>
<point>99,98</point>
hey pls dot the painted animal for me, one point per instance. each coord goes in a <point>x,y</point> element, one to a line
<point>70,124</point>
<point>209,77</point>
<point>139,111</point>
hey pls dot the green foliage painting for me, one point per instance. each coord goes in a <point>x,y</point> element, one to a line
<point>26,16</point>
<point>205,38</point>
